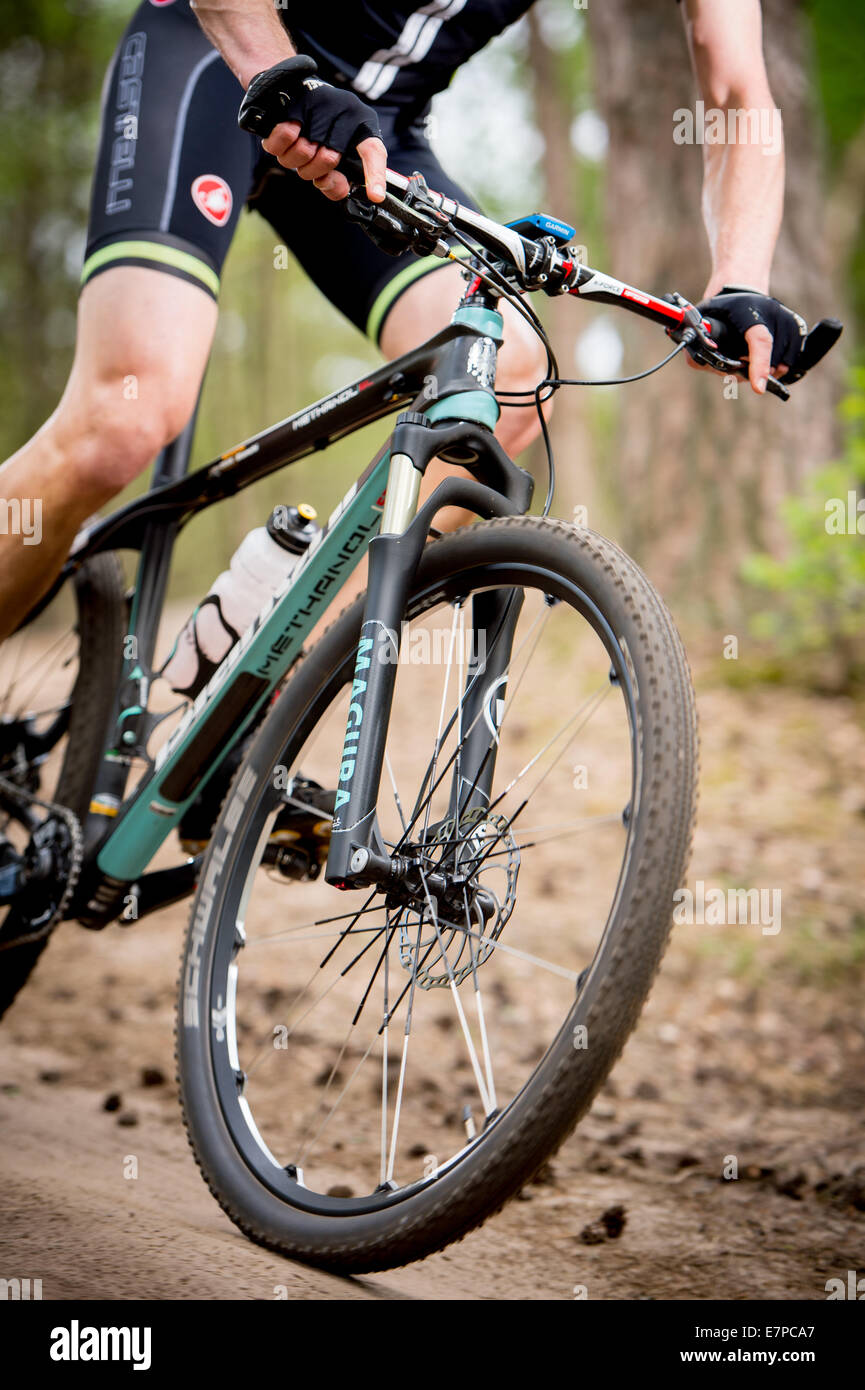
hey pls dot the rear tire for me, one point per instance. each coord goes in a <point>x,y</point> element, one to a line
<point>101,623</point>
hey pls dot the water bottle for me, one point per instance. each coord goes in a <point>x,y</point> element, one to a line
<point>258,569</point>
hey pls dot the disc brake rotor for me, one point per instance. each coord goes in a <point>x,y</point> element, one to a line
<point>481,857</point>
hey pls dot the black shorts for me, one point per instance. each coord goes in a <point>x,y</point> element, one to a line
<point>174,171</point>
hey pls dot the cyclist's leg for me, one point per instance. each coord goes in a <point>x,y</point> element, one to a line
<point>142,346</point>
<point>425,307</point>
<point>398,301</point>
<point>171,176</point>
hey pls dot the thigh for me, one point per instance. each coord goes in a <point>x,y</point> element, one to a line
<point>141,350</point>
<point>173,170</point>
<point>131,321</point>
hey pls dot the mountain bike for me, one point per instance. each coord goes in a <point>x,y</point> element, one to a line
<point>393,1013</point>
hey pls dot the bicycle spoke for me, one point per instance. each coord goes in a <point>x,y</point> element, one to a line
<point>512,692</point>
<point>343,934</point>
<point>469,1041</point>
<point>266,1047</point>
<point>49,656</point>
<point>598,697</point>
<point>317,922</point>
<point>384,1062</point>
<point>425,802</point>
<point>431,770</point>
<point>488,1061</point>
<point>527,956</point>
<point>397,1112</point>
<point>307,1147</point>
<point>389,931</point>
<point>388,765</point>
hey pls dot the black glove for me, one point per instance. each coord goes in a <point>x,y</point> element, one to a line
<point>739,308</point>
<point>327,115</point>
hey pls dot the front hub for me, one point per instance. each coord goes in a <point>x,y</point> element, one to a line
<point>454,893</point>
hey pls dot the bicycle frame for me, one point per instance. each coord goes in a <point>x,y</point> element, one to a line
<point>453,421</point>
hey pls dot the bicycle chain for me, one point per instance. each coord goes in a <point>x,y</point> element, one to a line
<point>76,854</point>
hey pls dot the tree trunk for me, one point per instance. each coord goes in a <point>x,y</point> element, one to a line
<point>699,475</point>
<point>569,431</point>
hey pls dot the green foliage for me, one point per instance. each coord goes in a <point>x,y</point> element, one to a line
<point>815,629</point>
<point>838,30</point>
<point>807,952</point>
<point>52,57</point>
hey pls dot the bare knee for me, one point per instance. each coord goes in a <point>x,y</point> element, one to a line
<point>142,345</point>
<point>106,434</point>
<point>522,365</point>
<point>448,518</point>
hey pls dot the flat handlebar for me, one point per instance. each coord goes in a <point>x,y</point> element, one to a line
<point>415,217</point>
<point>540,264</point>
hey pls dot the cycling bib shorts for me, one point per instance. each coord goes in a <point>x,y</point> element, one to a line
<point>174,170</point>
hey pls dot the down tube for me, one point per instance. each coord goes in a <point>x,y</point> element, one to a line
<point>242,684</point>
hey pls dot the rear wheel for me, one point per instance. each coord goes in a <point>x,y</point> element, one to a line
<point>366,1078</point>
<point>57,684</point>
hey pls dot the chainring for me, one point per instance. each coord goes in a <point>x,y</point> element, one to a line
<point>51,864</point>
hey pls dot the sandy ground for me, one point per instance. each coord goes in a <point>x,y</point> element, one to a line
<point>749,1051</point>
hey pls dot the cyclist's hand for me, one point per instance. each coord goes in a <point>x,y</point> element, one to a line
<point>761,331</point>
<point>330,122</point>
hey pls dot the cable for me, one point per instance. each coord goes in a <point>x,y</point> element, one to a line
<point>506,291</point>
<point>556,382</point>
<point>552,382</point>
<point>548,445</point>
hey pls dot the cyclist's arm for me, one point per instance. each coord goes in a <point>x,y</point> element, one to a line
<point>248,34</point>
<point>251,38</point>
<point>743,181</point>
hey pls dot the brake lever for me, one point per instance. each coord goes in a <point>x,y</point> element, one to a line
<point>703,349</point>
<point>395,226</point>
<point>418,225</point>
<point>731,366</point>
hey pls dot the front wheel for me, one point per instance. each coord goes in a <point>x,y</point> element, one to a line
<point>366,1078</point>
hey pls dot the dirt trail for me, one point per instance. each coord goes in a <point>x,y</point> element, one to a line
<point>751,1047</point>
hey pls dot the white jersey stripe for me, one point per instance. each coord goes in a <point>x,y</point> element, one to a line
<point>414,43</point>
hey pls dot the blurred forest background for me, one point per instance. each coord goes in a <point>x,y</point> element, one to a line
<point>752,1044</point>
<point>723,501</point>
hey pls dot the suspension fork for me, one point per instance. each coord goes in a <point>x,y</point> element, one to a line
<point>495,614</point>
<point>357,855</point>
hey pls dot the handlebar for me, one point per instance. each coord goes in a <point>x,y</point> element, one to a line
<point>415,217</point>
<point>548,263</point>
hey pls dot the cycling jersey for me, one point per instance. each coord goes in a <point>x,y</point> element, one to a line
<point>174,171</point>
<point>400,53</point>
